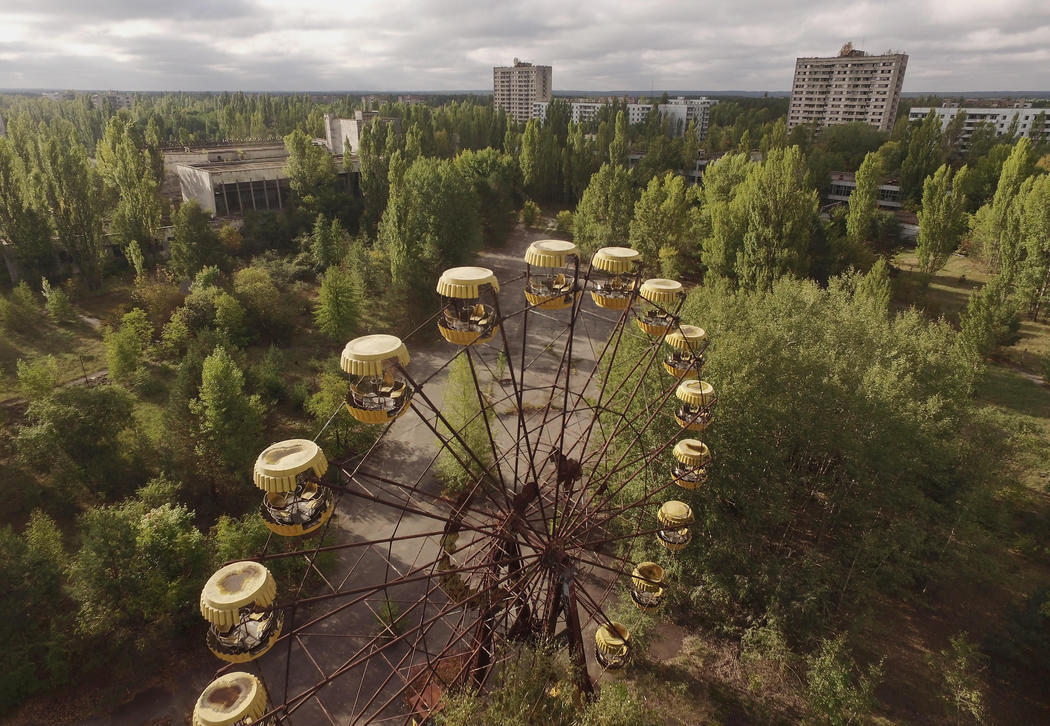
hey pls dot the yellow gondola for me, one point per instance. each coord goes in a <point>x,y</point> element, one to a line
<point>553,284</point>
<point>465,319</point>
<point>613,277</point>
<point>232,699</point>
<point>647,586</point>
<point>238,603</point>
<point>612,643</point>
<point>378,392</point>
<point>698,401</point>
<point>675,517</point>
<point>687,357</point>
<point>295,502</point>
<point>661,295</point>
<point>692,458</point>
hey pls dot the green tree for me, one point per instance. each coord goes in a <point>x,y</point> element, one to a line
<point>996,226</point>
<point>942,220</point>
<point>126,166</point>
<point>71,190</point>
<point>603,216</point>
<point>468,454</point>
<point>620,144</point>
<point>136,571</point>
<point>194,243</point>
<point>23,222</point>
<point>344,435</point>
<point>430,223</point>
<point>664,217</point>
<point>126,347</point>
<point>338,307</point>
<point>864,200</point>
<point>36,654</point>
<point>837,695</point>
<point>310,169</point>
<point>781,211</point>
<point>37,377</point>
<point>229,421</point>
<point>1035,228</point>
<point>925,154</point>
<point>327,242</point>
<point>720,223</point>
<point>494,177</point>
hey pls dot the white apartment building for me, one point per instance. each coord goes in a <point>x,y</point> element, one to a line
<point>680,111</point>
<point>516,88</point>
<point>851,87</point>
<point>1001,119</point>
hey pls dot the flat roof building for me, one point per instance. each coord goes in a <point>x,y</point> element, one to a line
<point>851,87</point>
<point>679,111</point>
<point>515,88</point>
<point>1000,119</point>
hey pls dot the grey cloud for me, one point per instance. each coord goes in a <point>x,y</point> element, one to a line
<point>452,44</point>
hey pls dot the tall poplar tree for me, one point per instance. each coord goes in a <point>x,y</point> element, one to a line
<point>942,220</point>
<point>864,201</point>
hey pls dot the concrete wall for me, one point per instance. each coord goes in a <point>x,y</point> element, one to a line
<point>196,184</point>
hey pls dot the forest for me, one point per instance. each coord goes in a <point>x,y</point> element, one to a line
<point>884,412</point>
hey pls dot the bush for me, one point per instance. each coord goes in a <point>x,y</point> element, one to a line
<point>960,666</point>
<point>58,304</point>
<point>267,376</point>
<point>38,377</point>
<point>835,693</point>
<point>563,222</point>
<point>19,312</point>
<point>530,213</point>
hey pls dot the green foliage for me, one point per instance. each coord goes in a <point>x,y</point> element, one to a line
<point>130,180</point>
<point>266,307</point>
<point>468,453</point>
<point>37,377</point>
<point>991,318</point>
<point>327,242</point>
<point>620,146</point>
<point>430,223</point>
<point>231,320</point>
<point>494,177</point>
<point>563,222</point>
<point>194,244</point>
<point>764,229</point>
<point>540,160</point>
<point>75,435</point>
<point>126,347</point>
<point>720,219</point>
<point>530,213</point>
<point>35,656</point>
<point>57,303</point>
<point>925,154</point>
<point>310,169</point>
<point>267,376</point>
<point>836,693</point>
<point>229,421</point>
<point>942,220</point>
<point>137,572</point>
<point>890,444</point>
<point>603,216</point>
<point>875,287</point>
<point>863,202</point>
<point>19,312</point>
<point>665,218</point>
<point>338,308</point>
<point>343,435</point>
<point>23,220</point>
<point>960,667</point>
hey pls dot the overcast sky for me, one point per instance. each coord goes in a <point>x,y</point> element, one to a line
<point>192,45</point>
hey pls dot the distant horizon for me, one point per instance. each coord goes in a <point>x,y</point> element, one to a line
<point>488,92</point>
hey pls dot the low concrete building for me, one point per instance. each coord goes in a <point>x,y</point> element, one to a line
<point>1032,123</point>
<point>341,132</point>
<point>844,182</point>
<point>679,111</point>
<point>231,188</point>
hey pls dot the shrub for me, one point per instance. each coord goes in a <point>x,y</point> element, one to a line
<point>530,213</point>
<point>563,222</point>
<point>57,303</point>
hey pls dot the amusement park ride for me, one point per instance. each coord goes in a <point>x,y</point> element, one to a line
<point>529,550</point>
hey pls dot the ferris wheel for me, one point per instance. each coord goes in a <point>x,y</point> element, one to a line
<point>581,455</point>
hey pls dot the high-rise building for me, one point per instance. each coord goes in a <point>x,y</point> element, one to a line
<point>851,87</point>
<point>515,88</point>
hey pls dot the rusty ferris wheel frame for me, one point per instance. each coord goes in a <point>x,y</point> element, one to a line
<point>529,550</point>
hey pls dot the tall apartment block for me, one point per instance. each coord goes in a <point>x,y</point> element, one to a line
<point>515,88</point>
<point>850,87</point>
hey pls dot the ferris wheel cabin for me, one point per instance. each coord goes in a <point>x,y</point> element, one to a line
<point>686,358</point>
<point>552,274</point>
<point>614,277</point>
<point>675,517</point>
<point>378,390</point>
<point>661,296</point>
<point>238,603</point>
<point>296,502</point>
<point>232,699</point>
<point>468,313</point>
<point>692,458</point>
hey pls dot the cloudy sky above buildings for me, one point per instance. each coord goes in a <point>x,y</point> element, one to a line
<point>191,45</point>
